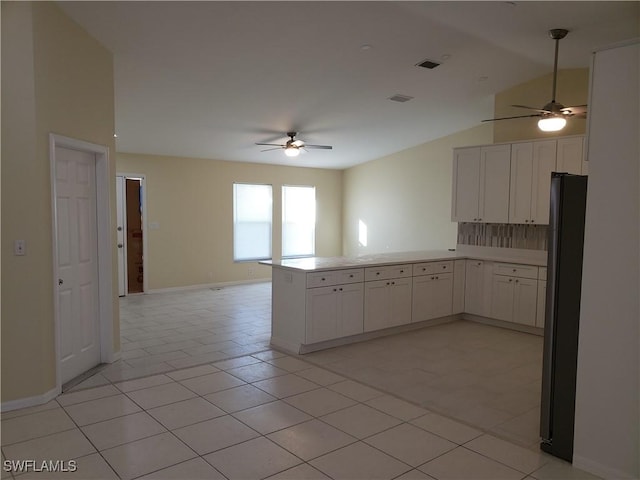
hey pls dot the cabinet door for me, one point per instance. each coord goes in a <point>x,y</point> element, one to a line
<point>351,309</point>
<point>541,303</point>
<point>322,314</point>
<point>442,295</point>
<point>459,267</point>
<point>400,301</point>
<point>525,298</point>
<point>521,182</point>
<point>466,184</point>
<point>569,155</point>
<point>474,287</point>
<point>422,298</point>
<point>544,162</point>
<point>502,302</point>
<point>495,165</point>
<point>376,305</point>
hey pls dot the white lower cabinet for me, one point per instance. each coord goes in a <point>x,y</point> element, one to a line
<point>477,289</point>
<point>515,298</point>
<point>387,303</point>
<point>432,296</point>
<point>334,312</point>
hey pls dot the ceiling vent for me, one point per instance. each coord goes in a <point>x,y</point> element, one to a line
<point>427,64</point>
<point>400,98</point>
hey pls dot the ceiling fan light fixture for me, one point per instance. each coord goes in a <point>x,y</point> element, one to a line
<point>552,123</point>
<point>292,151</point>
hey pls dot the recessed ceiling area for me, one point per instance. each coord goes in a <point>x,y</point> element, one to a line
<point>210,79</point>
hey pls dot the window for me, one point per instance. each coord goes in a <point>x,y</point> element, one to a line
<point>251,222</point>
<point>298,221</point>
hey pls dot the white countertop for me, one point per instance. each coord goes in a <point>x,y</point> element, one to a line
<point>508,255</point>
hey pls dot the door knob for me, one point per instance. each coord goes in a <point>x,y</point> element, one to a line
<point>119,229</point>
<point>60,281</point>
<point>120,246</point>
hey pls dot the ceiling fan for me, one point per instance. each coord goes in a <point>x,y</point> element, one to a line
<point>554,114</point>
<point>293,147</point>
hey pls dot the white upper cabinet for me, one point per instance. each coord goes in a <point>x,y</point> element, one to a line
<point>570,155</point>
<point>531,167</point>
<point>466,184</point>
<point>481,184</point>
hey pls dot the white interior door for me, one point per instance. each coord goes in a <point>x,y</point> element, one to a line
<point>77,243</point>
<point>121,215</point>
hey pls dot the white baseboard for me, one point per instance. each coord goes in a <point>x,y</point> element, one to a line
<point>203,286</point>
<point>30,401</point>
<point>600,470</point>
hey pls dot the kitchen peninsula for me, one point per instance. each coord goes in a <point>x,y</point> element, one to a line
<point>323,302</point>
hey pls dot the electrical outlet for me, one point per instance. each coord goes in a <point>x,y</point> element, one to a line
<point>19,247</point>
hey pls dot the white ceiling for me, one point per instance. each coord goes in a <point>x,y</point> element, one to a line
<point>210,79</point>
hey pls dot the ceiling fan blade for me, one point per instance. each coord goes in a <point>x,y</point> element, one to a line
<point>324,147</point>
<point>269,149</point>
<point>272,144</point>
<point>531,108</point>
<point>509,118</point>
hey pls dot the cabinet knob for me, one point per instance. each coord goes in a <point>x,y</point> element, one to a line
<point>393,283</point>
<point>323,279</point>
<point>377,273</point>
<point>533,220</point>
<point>401,271</point>
<point>515,270</point>
<point>424,269</point>
<point>340,289</point>
<point>444,266</point>
<point>351,276</point>
<point>335,290</point>
<point>511,279</point>
<point>517,280</point>
<point>437,278</point>
<point>433,278</point>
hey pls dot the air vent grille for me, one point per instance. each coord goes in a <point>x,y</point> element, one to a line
<point>400,98</point>
<point>428,64</point>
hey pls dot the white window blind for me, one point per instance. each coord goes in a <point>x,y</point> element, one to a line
<point>252,207</point>
<point>298,221</point>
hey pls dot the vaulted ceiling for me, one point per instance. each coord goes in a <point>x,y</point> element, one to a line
<point>210,79</point>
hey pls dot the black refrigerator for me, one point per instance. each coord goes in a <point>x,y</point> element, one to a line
<point>562,314</point>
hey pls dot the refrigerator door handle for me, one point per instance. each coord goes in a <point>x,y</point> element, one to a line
<point>550,315</point>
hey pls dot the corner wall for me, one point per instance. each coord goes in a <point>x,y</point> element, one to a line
<point>55,78</point>
<point>190,204</point>
<point>403,201</point>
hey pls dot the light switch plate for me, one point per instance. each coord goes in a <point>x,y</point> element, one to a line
<point>19,247</point>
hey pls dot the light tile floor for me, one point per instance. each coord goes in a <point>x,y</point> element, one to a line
<point>267,414</point>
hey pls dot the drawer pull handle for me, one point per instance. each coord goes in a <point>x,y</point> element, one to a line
<point>351,276</point>
<point>323,279</point>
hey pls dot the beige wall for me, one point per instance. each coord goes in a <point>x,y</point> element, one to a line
<point>404,199</point>
<point>55,78</point>
<point>191,201</point>
<point>572,90</point>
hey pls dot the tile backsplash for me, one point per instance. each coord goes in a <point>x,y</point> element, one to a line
<point>531,237</point>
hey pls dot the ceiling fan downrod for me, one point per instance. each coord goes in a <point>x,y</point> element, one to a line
<point>557,34</point>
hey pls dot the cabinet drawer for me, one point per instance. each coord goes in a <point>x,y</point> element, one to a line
<point>432,267</point>
<point>516,270</point>
<point>389,271</point>
<point>334,277</point>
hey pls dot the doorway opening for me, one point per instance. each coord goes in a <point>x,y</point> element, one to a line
<point>131,235</point>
